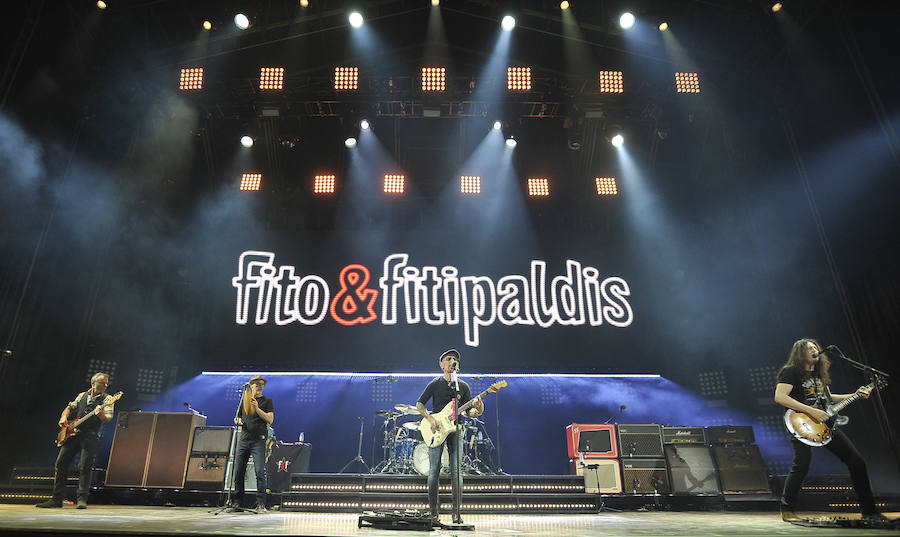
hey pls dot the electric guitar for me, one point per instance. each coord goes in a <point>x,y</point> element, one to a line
<point>812,433</point>
<point>445,417</point>
<point>71,427</point>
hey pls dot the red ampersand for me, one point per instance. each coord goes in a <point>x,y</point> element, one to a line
<point>354,303</point>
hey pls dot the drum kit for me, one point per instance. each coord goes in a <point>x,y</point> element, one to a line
<point>405,453</point>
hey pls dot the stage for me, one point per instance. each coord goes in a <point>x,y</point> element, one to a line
<point>141,520</point>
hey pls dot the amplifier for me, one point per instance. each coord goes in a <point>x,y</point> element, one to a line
<point>206,472</point>
<point>730,434</point>
<point>640,440</point>
<point>645,476</point>
<point>212,440</point>
<point>684,435</point>
<point>593,441</point>
<point>692,470</point>
<point>249,475</point>
<point>742,469</point>
<point>601,476</point>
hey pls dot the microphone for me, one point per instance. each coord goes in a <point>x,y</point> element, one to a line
<point>825,350</point>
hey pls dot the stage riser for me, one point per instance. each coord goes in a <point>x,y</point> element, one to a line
<point>472,503</point>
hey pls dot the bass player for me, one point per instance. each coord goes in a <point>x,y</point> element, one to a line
<point>803,380</point>
<point>441,391</point>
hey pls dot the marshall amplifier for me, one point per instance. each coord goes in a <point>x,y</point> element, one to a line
<point>742,469</point>
<point>684,435</point>
<point>592,441</point>
<point>645,476</point>
<point>640,441</point>
<point>692,470</point>
<point>730,434</point>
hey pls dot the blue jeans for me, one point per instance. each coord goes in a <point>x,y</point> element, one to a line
<point>434,472</point>
<point>88,444</point>
<point>245,448</point>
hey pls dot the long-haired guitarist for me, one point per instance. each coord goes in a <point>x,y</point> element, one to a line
<point>802,381</point>
<point>86,441</point>
<point>441,391</point>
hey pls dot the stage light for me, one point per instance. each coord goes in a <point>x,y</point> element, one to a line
<point>304,3</point>
<point>191,79</point>
<point>610,82</point>
<point>251,181</point>
<point>687,83</point>
<point>518,78</point>
<point>207,25</point>
<point>323,184</point>
<point>271,78</point>
<point>564,5</point>
<point>663,26</point>
<point>538,187</point>
<point>101,4</point>
<point>356,19</point>
<point>497,125</point>
<point>617,141</point>
<point>776,7</point>
<point>606,186</point>
<point>511,142</point>
<point>435,3</point>
<point>350,142</point>
<point>346,78</point>
<point>434,78</point>
<point>246,141</point>
<point>394,184</point>
<point>626,21</point>
<point>241,21</point>
<point>364,124</point>
<point>508,23</point>
<point>470,184</point>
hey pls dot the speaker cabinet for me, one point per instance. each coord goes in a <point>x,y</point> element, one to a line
<point>602,476</point>
<point>212,440</point>
<point>286,459</point>
<point>249,475</point>
<point>645,476</point>
<point>692,470</point>
<point>742,469</point>
<point>593,441</point>
<point>206,472</point>
<point>150,449</point>
<point>640,441</point>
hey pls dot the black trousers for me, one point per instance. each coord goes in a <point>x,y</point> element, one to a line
<point>844,449</point>
<point>88,444</point>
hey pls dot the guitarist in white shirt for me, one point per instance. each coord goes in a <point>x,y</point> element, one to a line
<point>802,380</point>
<point>441,390</point>
<point>87,441</point>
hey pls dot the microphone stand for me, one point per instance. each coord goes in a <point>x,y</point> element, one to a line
<point>497,415</point>
<point>616,415</point>
<point>458,523</point>
<point>231,456</point>
<point>880,411</point>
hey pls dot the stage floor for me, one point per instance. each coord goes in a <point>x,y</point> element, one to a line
<point>140,520</point>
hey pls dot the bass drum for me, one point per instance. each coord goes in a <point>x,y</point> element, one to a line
<point>420,459</point>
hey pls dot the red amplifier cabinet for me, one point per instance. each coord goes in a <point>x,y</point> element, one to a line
<point>594,441</point>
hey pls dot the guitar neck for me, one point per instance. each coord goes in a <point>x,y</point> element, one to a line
<point>837,407</point>
<point>471,402</point>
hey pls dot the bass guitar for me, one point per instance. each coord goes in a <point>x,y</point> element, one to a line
<point>812,433</point>
<point>71,427</point>
<point>445,417</point>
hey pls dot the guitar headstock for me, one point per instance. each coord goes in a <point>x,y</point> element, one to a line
<point>495,387</point>
<point>110,399</point>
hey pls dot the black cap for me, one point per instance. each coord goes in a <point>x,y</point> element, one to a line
<point>257,378</point>
<point>450,352</point>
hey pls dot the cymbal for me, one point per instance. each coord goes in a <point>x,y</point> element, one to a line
<point>412,425</point>
<point>388,414</point>
<point>406,409</point>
